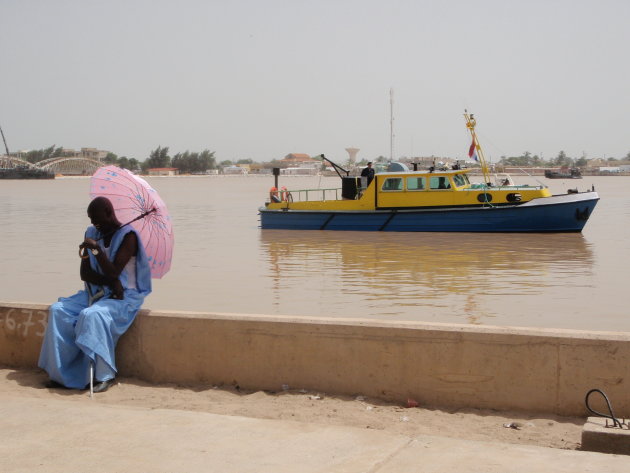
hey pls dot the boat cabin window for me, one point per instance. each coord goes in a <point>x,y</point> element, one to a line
<point>416,184</point>
<point>460,180</point>
<point>439,182</point>
<point>393,184</point>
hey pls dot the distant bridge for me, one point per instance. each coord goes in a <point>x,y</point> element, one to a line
<point>60,165</point>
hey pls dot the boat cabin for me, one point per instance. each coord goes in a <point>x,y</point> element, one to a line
<point>410,189</point>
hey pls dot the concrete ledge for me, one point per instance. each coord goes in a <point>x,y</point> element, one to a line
<point>597,437</point>
<point>448,365</point>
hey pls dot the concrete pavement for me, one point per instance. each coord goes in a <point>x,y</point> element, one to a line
<point>83,435</point>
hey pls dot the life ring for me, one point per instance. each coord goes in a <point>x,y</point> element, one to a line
<point>273,194</point>
<point>285,195</point>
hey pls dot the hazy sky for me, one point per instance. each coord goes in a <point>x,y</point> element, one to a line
<point>261,79</point>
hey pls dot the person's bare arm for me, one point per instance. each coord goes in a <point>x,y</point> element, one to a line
<point>111,270</point>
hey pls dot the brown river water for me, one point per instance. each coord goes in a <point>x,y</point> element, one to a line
<point>223,262</point>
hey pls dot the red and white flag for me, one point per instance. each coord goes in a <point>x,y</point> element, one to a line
<point>472,151</point>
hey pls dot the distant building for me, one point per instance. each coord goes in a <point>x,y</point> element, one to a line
<point>163,171</point>
<point>234,170</point>
<point>300,164</point>
<point>90,153</point>
<point>296,158</point>
<point>299,160</point>
<point>299,171</point>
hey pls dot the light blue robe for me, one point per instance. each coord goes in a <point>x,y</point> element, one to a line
<point>78,333</point>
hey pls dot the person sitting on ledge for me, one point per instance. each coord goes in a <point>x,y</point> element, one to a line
<point>84,328</point>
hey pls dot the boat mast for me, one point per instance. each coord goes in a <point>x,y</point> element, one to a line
<point>470,124</point>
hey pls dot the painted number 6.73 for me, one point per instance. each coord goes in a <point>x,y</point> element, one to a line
<point>23,326</point>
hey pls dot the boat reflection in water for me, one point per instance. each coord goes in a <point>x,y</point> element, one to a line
<point>439,277</point>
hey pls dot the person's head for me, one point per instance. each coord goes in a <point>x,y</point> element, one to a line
<point>369,164</point>
<point>101,214</point>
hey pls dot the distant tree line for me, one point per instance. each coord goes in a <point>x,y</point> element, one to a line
<point>229,162</point>
<point>186,162</point>
<point>192,162</point>
<point>38,155</point>
<point>122,162</point>
<point>527,160</point>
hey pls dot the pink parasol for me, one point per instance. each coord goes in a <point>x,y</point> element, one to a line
<point>138,204</point>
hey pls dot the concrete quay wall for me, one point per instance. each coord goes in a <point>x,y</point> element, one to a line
<point>438,365</point>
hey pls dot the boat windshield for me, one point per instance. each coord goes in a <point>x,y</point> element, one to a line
<point>460,180</point>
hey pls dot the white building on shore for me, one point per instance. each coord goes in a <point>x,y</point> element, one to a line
<point>235,170</point>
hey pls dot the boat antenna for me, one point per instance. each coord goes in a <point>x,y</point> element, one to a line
<point>391,124</point>
<point>470,124</point>
<point>5,142</point>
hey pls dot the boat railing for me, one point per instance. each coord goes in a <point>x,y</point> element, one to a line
<point>476,187</point>
<point>304,195</point>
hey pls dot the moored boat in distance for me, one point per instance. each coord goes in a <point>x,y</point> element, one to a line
<point>23,172</point>
<point>433,200</point>
<point>573,173</point>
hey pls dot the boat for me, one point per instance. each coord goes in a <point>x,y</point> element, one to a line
<point>437,199</point>
<point>573,173</point>
<point>25,172</point>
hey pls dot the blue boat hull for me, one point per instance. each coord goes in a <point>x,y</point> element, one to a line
<point>566,213</point>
